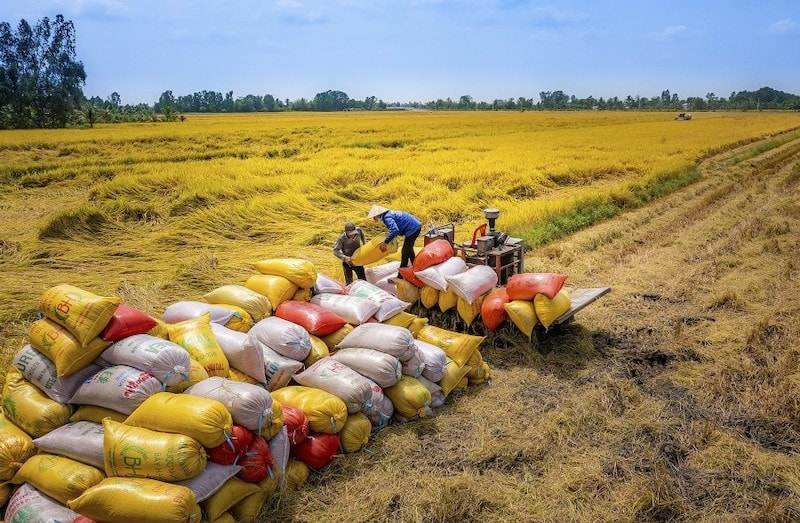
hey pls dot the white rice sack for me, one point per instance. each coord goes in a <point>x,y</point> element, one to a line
<point>29,505</point>
<point>327,285</point>
<point>250,405</point>
<point>167,361</point>
<point>472,283</point>
<point>390,339</point>
<point>78,440</point>
<point>436,275</point>
<point>340,380</point>
<point>241,356</point>
<point>435,359</point>
<point>189,310</point>
<point>210,480</point>
<point>279,446</point>
<point>384,369</point>
<point>41,371</point>
<point>284,337</point>
<point>388,286</point>
<point>355,309</point>
<point>381,272</point>
<point>119,387</point>
<point>437,394</point>
<point>279,369</point>
<point>379,410</point>
<point>389,303</point>
<point>414,365</point>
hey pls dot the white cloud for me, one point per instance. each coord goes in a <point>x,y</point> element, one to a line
<point>782,27</point>
<point>673,31</point>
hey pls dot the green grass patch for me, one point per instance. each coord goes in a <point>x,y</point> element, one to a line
<point>763,147</point>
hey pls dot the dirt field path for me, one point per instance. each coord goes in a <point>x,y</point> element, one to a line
<point>673,398</point>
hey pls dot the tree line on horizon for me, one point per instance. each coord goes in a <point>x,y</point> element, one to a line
<point>41,86</point>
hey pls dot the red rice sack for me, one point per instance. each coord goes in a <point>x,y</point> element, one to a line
<point>234,447</point>
<point>314,318</point>
<point>127,321</point>
<point>493,312</point>
<point>257,461</point>
<point>433,253</point>
<point>408,275</point>
<point>317,450</point>
<point>296,423</point>
<point>526,285</point>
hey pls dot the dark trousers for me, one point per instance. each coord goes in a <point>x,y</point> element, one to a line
<point>407,253</point>
<point>348,272</point>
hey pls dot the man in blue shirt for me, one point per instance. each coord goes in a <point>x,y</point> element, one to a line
<point>399,223</point>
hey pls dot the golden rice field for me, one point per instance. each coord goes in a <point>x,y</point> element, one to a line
<point>675,403</point>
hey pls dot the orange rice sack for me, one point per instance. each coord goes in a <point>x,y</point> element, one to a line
<point>526,285</point>
<point>493,312</point>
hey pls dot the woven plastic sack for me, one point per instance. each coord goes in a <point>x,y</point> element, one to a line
<point>447,300</point>
<point>195,335</point>
<point>59,477</point>
<point>204,419</point>
<point>522,314</point>
<point>380,272</point>
<point>318,351</point>
<point>436,275</point>
<point>414,365</point>
<point>189,310</point>
<point>138,500</point>
<point>527,285</point>
<point>332,340</point>
<point>213,477</point>
<point>338,379</point>
<point>390,339</point>
<point>380,409</point>
<point>16,446</point>
<point>493,312</point>
<point>127,321</point>
<point>409,397</point>
<point>406,291</point>
<point>241,356</point>
<point>277,421</point>
<point>469,311</point>
<point>370,252</point>
<point>248,509</point>
<point>547,310</point>
<point>255,304</point>
<point>435,360</point>
<point>234,447</point>
<point>355,309</point>
<point>295,423</point>
<point>277,289</point>
<point>458,346</point>
<point>39,370</point>
<point>250,405</point>
<point>136,452</point>
<point>473,283</point>
<point>437,395</point>
<point>480,374</point>
<point>355,434</point>
<point>326,412</point>
<point>317,450</point>
<point>434,253</point>
<point>119,387</point>
<point>257,461</point>
<point>241,321</point>
<point>279,369</point>
<point>296,474</point>
<point>279,445</point>
<point>167,361</point>
<point>29,408</point>
<point>81,312</point>
<point>27,504</point>
<point>284,337</point>
<point>328,285</point>
<point>62,348</point>
<point>298,271</point>
<point>232,492</point>
<point>429,297</point>
<point>453,374</point>
<point>197,373</point>
<point>389,304</point>
<point>401,319</point>
<point>384,369</point>
<point>313,318</point>
<point>79,440</point>
<point>96,414</point>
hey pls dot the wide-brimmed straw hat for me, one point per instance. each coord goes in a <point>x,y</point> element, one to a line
<point>376,210</point>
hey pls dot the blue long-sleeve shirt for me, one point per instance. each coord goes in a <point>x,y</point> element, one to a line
<point>399,223</point>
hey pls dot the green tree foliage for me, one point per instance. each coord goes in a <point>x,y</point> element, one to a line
<point>40,78</point>
<point>331,101</point>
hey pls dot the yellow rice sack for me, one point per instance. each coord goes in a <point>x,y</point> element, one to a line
<point>30,409</point>
<point>355,434</point>
<point>407,291</point>
<point>160,330</point>
<point>255,304</point>
<point>237,375</point>
<point>15,448</point>
<point>276,288</point>
<point>447,300</point>
<point>325,412</point>
<point>138,500</point>
<point>97,414</point>
<point>62,348</point>
<point>370,252</point>
<point>60,478</point>
<point>204,419</point>
<point>241,321</point>
<point>197,373</point>
<point>417,325</point>
<point>6,489</point>
<point>429,297</point>
<point>332,340</point>
<point>453,374</point>
<point>479,375</point>
<point>232,492</point>
<point>298,271</point>
<point>274,425</point>
<point>248,509</point>
<point>409,397</point>
<point>82,313</point>
<point>458,346</point>
<point>195,335</point>
<point>296,474</point>
<point>319,350</point>
<point>401,319</point>
<point>467,311</point>
<point>303,294</point>
<point>522,314</point>
<point>134,452</point>
<point>548,310</point>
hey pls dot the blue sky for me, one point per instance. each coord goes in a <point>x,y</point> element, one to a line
<point>421,50</point>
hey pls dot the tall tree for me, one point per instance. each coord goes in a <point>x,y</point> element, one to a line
<point>41,79</point>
